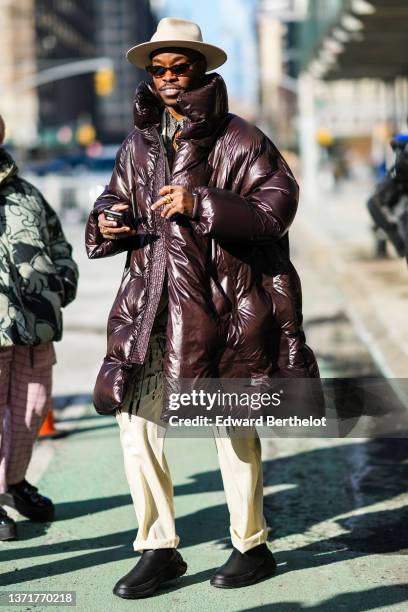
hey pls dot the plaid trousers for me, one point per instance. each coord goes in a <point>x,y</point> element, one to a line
<point>25,397</point>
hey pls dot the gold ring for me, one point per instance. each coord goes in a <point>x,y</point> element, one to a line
<point>168,199</point>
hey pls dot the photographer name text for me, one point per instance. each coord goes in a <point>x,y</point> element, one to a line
<point>229,421</point>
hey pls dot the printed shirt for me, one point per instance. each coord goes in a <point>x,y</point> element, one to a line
<point>169,128</point>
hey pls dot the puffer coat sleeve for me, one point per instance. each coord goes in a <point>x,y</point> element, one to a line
<point>263,207</point>
<point>119,191</point>
<point>61,255</point>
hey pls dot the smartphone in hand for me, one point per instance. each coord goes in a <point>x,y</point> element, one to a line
<point>114,215</point>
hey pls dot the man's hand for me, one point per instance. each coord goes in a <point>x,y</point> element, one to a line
<point>109,229</point>
<point>175,199</point>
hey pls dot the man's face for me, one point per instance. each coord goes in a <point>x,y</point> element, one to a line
<point>170,85</point>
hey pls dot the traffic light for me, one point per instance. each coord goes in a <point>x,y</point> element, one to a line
<point>104,81</point>
<point>85,134</point>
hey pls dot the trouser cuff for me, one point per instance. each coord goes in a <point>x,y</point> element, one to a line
<point>141,545</point>
<point>246,544</point>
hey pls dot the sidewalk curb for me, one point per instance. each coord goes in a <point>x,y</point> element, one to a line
<point>351,278</point>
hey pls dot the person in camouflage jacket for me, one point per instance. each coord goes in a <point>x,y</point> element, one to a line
<point>38,277</point>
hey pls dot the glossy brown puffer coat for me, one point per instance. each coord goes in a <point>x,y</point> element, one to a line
<point>234,296</point>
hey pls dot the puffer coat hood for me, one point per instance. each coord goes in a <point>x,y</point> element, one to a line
<point>234,296</point>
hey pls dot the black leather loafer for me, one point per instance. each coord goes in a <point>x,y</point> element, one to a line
<point>153,568</point>
<point>8,529</point>
<point>244,569</point>
<point>25,498</point>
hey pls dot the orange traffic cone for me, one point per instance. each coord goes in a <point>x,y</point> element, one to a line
<point>48,429</point>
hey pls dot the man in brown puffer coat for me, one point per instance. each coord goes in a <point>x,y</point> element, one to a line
<point>208,290</point>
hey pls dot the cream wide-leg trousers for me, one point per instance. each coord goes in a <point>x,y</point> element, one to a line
<point>149,477</point>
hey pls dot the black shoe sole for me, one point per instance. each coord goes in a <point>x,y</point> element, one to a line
<point>40,515</point>
<point>8,532</point>
<point>149,588</point>
<point>262,573</point>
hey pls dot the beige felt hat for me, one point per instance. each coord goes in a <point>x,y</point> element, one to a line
<point>172,32</point>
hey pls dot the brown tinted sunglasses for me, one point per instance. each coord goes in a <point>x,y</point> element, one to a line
<point>177,69</point>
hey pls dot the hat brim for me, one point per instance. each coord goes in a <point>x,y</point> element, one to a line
<point>140,54</point>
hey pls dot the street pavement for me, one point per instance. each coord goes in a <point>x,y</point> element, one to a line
<point>335,507</point>
<point>336,228</point>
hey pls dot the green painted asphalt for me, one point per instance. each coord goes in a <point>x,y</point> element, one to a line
<point>89,546</point>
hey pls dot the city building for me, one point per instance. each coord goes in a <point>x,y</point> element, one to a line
<point>353,79</point>
<point>120,24</point>
<point>278,68</point>
<point>64,33</point>
<point>17,50</point>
